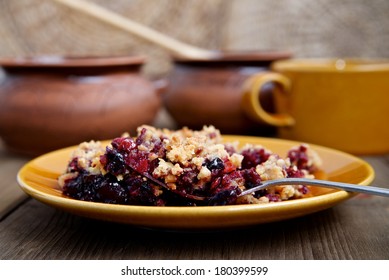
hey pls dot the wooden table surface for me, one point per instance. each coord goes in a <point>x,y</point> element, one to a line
<point>355,229</point>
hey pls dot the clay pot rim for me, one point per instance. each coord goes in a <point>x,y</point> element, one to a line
<point>59,61</point>
<point>239,56</point>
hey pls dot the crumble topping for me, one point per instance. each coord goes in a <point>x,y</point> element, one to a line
<point>273,168</point>
<point>164,167</point>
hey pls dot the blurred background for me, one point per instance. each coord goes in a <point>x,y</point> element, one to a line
<point>321,28</point>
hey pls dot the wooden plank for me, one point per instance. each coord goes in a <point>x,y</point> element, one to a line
<point>353,230</point>
<point>10,193</point>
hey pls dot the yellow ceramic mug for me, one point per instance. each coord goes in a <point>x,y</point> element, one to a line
<point>339,103</point>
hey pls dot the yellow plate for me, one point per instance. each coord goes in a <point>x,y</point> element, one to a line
<point>38,178</point>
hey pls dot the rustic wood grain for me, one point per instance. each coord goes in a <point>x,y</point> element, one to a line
<point>10,193</point>
<point>353,230</point>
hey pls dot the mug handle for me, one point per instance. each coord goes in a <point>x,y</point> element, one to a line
<point>250,100</point>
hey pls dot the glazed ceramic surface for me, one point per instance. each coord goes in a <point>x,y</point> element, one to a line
<point>209,92</point>
<point>340,103</point>
<point>38,178</point>
<point>47,103</point>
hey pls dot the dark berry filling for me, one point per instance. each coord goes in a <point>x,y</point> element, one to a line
<point>253,157</point>
<point>96,188</point>
<point>130,162</point>
<point>299,157</point>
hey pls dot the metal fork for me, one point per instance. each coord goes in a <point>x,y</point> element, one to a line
<point>322,183</point>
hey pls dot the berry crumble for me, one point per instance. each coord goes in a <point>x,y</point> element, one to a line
<point>161,167</point>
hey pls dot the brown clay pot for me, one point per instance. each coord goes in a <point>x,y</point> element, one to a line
<point>51,102</point>
<point>209,92</point>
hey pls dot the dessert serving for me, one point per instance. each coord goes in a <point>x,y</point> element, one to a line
<point>160,167</point>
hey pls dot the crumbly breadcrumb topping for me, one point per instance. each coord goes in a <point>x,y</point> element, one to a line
<point>142,169</point>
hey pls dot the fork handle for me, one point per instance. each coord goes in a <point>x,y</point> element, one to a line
<point>322,183</point>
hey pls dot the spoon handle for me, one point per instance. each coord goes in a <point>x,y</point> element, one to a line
<point>322,183</point>
<point>144,32</point>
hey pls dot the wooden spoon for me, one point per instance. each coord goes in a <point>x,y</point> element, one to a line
<point>178,48</point>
